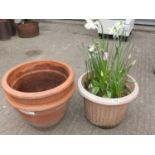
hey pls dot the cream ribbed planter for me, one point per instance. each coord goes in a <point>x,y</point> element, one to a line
<point>106,112</point>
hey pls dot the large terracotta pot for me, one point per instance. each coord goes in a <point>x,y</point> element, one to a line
<point>28,30</point>
<point>106,112</point>
<point>40,90</point>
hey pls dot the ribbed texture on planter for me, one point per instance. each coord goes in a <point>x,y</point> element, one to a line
<point>103,115</point>
<point>106,112</point>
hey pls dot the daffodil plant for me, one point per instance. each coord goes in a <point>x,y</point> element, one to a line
<point>107,71</point>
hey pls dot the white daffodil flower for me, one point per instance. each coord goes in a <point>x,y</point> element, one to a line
<point>91,24</point>
<point>119,25</point>
<point>114,32</point>
<point>91,48</point>
<point>129,56</point>
<point>133,63</point>
<point>118,28</point>
<point>105,56</point>
<point>97,24</point>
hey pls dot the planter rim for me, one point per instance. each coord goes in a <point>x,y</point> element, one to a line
<point>108,101</point>
<point>42,107</point>
<point>42,94</point>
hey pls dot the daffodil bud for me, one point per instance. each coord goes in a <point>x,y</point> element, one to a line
<point>105,56</point>
<point>91,48</point>
<point>129,56</point>
<point>133,63</point>
<point>92,24</point>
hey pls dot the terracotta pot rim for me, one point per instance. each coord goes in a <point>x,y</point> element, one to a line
<point>108,101</point>
<point>42,107</point>
<point>42,94</point>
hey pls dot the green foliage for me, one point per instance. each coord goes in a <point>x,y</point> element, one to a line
<point>107,70</point>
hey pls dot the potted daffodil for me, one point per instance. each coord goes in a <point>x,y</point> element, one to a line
<point>106,86</point>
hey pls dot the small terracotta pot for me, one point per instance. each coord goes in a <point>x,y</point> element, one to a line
<point>5,29</point>
<point>40,90</point>
<point>106,112</point>
<point>28,30</point>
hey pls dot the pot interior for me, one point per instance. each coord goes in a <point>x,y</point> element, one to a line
<point>37,77</point>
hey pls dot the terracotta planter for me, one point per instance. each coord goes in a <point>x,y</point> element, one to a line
<point>28,30</point>
<point>40,91</point>
<point>106,112</point>
<point>5,29</point>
